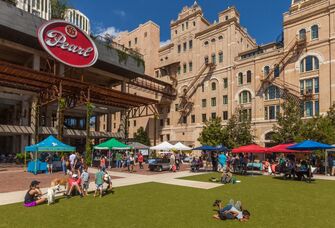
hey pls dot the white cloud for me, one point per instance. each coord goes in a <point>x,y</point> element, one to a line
<point>163,43</point>
<point>109,30</point>
<point>120,13</point>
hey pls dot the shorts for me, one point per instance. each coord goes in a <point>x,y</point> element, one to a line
<point>98,186</point>
<point>86,185</point>
<point>31,204</point>
<point>49,166</point>
<point>132,162</point>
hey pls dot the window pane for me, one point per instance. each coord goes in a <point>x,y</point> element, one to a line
<point>225,83</point>
<point>309,108</point>
<point>315,32</point>
<point>213,102</point>
<point>317,107</point>
<point>272,112</point>
<point>266,113</point>
<point>309,63</point>
<point>309,86</point>
<point>302,87</point>
<point>316,85</point>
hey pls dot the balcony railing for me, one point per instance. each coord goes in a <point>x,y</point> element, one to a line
<point>110,43</point>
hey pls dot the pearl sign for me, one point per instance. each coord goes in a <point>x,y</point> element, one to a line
<point>68,44</point>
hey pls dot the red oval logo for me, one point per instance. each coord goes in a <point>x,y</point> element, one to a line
<point>68,44</point>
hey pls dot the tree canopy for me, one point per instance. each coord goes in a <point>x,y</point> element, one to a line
<point>141,136</point>
<point>58,8</point>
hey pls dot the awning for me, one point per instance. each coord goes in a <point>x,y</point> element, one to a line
<point>112,144</point>
<point>253,149</point>
<point>283,148</point>
<point>310,145</point>
<point>50,144</point>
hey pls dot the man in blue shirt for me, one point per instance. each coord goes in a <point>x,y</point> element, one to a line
<point>223,161</point>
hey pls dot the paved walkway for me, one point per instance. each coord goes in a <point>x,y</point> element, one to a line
<point>126,180</point>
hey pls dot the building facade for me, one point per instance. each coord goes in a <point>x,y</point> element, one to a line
<point>218,68</point>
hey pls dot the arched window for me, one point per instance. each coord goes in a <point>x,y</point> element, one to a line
<point>266,70</point>
<point>206,43</point>
<point>272,93</point>
<point>248,76</point>
<point>220,57</point>
<point>245,97</point>
<point>206,60</point>
<point>302,34</point>
<point>220,38</point>
<point>213,86</point>
<point>315,32</point>
<point>213,58</point>
<point>213,40</point>
<point>269,136</point>
<point>276,71</point>
<point>309,63</point>
<point>240,78</point>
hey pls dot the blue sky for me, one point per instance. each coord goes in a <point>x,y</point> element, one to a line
<point>262,18</point>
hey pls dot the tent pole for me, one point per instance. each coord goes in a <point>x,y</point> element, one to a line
<point>35,162</point>
<point>326,162</point>
<point>109,155</point>
<point>25,161</point>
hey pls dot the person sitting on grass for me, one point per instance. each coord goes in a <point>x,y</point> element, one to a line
<point>99,181</point>
<point>33,195</point>
<point>231,211</point>
<point>74,183</point>
<point>226,177</point>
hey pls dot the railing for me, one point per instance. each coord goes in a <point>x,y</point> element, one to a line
<point>110,43</point>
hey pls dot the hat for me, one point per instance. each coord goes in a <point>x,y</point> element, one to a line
<point>34,183</point>
<point>74,176</point>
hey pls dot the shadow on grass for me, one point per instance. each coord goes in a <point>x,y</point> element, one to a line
<point>282,178</point>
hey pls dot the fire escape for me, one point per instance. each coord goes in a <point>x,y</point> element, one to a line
<point>287,90</point>
<point>186,105</point>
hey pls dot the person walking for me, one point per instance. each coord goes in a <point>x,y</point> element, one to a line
<point>64,160</point>
<point>72,159</point>
<point>49,161</point>
<point>140,160</point>
<point>103,162</point>
<point>131,163</point>
<point>118,158</point>
<point>99,181</point>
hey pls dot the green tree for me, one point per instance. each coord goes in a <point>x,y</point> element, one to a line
<point>58,8</point>
<point>238,131</point>
<point>212,134</point>
<point>331,114</point>
<point>289,124</point>
<point>141,136</point>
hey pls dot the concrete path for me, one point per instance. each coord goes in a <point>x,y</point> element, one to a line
<point>126,180</point>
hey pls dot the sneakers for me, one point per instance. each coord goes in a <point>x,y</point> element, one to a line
<point>238,205</point>
<point>231,202</point>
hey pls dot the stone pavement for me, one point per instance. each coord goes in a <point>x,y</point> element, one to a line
<point>126,180</point>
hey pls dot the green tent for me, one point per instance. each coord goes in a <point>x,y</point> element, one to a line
<point>112,144</point>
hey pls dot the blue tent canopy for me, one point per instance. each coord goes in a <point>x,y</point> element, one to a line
<point>205,147</point>
<point>221,148</point>
<point>310,145</point>
<point>50,144</point>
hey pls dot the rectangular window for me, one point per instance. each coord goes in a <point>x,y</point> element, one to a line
<point>168,122</point>
<point>302,87</point>
<point>190,66</point>
<point>182,27</point>
<point>114,125</point>
<point>202,87</point>
<point>176,107</point>
<point>240,79</point>
<point>134,123</point>
<point>190,44</point>
<point>277,71</point>
<point>272,112</point>
<point>220,57</point>
<point>266,113</point>
<point>161,122</point>
<point>129,43</point>
<point>179,48</point>
<point>168,137</point>
<point>185,46</point>
<point>184,68</point>
<point>213,101</point>
<point>184,119</point>
<point>309,63</point>
<point>186,24</point>
<point>214,59</point>
<point>225,83</point>
<point>225,99</point>
<point>309,86</point>
<point>204,118</point>
<point>135,40</point>
<point>161,138</point>
<point>316,85</point>
<point>225,115</point>
<point>203,103</point>
<point>192,118</point>
<point>213,115</point>
<point>317,108</point>
<point>309,108</point>
<point>178,70</point>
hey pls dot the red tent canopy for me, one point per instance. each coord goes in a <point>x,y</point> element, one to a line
<point>253,149</point>
<point>282,148</point>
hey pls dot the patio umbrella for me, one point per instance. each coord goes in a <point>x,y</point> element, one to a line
<point>283,148</point>
<point>312,145</point>
<point>180,146</point>
<point>205,147</point>
<point>253,149</point>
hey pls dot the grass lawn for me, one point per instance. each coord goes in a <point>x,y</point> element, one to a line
<point>272,203</point>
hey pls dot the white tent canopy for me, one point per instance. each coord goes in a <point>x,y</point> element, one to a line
<point>163,146</point>
<point>180,146</point>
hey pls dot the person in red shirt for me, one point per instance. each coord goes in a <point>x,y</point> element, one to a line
<point>103,162</point>
<point>140,160</point>
<point>74,182</point>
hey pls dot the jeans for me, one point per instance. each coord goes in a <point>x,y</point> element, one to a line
<point>118,164</point>
<point>64,168</point>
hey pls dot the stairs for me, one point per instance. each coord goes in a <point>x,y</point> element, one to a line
<point>287,90</point>
<point>185,105</point>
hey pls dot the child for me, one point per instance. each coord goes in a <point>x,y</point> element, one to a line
<point>99,180</point>
<point>85,177</point>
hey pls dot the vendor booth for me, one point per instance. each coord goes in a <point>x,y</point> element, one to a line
<point>48,145</point>
<point>108,146</point>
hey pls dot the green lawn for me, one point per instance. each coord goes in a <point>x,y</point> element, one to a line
<point>272,203</point>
